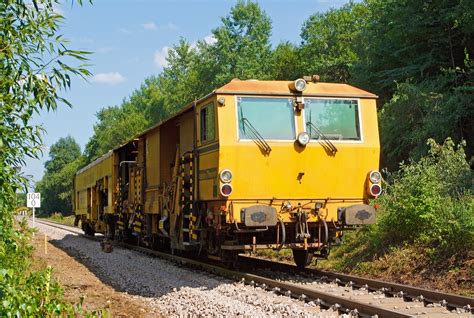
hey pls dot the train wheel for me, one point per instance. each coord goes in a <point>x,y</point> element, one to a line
<point>302,258</point>
<point>88,229</point>
<point>230,259</point>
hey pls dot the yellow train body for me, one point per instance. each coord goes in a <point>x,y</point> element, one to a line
<point>236,171</point>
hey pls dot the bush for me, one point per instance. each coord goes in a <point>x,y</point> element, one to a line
<point>24,292</point>
<point>430,201</point>
<point>427,206</point>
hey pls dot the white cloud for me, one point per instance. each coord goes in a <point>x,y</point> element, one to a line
<point>210,39</point>
<point>150,26</point>
<point>111,78</point>
<point>159,57</point>
<point>164,27</point>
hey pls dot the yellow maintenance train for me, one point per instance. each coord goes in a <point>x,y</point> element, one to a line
<point>252,165</point>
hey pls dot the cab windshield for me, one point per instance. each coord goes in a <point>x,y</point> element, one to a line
<point>272,118</point>
<point>337,119</point>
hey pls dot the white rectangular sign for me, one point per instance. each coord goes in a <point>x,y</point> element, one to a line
<point>33,200</point>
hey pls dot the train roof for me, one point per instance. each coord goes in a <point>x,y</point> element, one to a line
<point>95,162</point>
<point>321,89</point>
<point>273,88</point>
<point>258,87</point>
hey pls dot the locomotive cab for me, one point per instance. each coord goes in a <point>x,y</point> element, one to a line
<point>292,168</point>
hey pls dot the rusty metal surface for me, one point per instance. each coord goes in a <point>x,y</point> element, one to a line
<point>260,215</point>
<point>283,87</point>
<point>451,300</point>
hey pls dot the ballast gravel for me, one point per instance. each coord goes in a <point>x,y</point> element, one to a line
<point>176,291</point>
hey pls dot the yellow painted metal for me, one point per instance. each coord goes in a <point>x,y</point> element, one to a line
<point>289,173</point>
<point>153,158</point>
<point>208,174</point>
<point>87,177</point>
<point>301,175</point>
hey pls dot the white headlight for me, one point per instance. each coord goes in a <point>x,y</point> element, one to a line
<point>299,84</point>
<point>226,176</point>
<point>375,176</point>
<point>303,138</point>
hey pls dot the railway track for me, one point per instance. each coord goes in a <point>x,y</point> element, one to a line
<point>346,294</point>
<point>450,301</point>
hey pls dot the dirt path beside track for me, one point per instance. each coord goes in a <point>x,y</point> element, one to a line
<point>77,280</point>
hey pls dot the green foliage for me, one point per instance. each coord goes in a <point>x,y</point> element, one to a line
<point>32,74</point>
<point>180,82</point>
<point>56,185</point>
<point>430,201</point>
<point>414,40</point>
<point>427,207</point>
<point>286,63</point>
<point>115,126</point>
<point>63,152</point>
<point>28,293</point>
<point>330,42</point>
<point>242,49</point>
<point>436,108</point>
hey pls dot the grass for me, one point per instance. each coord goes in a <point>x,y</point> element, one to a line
<point>59,218</point>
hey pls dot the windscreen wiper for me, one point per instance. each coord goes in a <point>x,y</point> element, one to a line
<point>255,135</point>
<point>326,142</point>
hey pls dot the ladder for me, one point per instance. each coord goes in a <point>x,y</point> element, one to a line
<point>187,199</point>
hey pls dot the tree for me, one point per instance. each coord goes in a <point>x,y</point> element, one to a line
<point>417,56</point>
<point>242,46</point>
<point>180,82</point>
<point>149,98</point>
<point>414,40</point>
<point>56,184</point>
<point>33,71</point>
<point>116,125</point>
<point>329,42</point>
<point>63,152</point>
<point>286,63</point>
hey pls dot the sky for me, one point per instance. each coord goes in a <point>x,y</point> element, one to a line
<point>129,41</point>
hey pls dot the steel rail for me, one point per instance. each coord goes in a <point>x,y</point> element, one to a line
<point>68,228</point>
<point>327,300</point>
<point>407,291</point>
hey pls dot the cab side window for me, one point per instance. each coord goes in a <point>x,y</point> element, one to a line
<point>208,128</point>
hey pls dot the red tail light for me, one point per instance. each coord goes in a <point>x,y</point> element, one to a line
<point>226,190</point>
<point>375,190</point>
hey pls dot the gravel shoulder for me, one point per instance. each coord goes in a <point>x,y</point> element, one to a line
<point>78,281</point>
<point>154,286</point>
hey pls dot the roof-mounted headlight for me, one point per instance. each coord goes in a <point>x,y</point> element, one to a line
<point>298,85</point>
<point>303,138</point>
<point>225,176</point>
